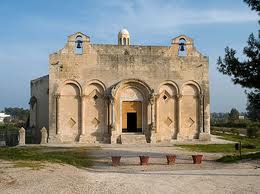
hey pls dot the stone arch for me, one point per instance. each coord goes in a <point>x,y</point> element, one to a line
<point>70,93</point>
<point>136,83</point>
<point>190,110</point>
<point>183,41</point>
<point>194,83</point>
<point>131,95</point>
<point>72,82</point>
<point>169,82</point>
<point>97,83</point>
<point>167,111</point>
<point>78,45</point>
<point>95,111</point>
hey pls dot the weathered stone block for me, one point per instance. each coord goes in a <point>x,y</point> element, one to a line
<point>44,135</point>
<point>21,136</point>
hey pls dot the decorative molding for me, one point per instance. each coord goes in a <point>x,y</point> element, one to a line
<point>168,121</point>
<point>191,122</point>
<point>95,122</point>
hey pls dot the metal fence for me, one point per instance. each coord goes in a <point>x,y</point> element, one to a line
<point>9,138</point>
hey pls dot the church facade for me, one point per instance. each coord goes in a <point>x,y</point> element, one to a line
<point>100,93</point>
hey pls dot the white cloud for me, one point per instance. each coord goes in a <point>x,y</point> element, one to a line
<point>157,17</point>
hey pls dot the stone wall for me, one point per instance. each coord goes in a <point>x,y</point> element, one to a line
<point>39,105</point>
<point>154,70</point>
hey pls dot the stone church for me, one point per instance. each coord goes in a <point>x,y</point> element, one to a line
<point>101,93</point>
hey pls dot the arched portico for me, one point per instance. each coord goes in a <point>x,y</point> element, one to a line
<point>130,108</point>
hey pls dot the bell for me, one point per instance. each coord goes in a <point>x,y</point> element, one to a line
<point>182,47</point>
<point>79,42</point>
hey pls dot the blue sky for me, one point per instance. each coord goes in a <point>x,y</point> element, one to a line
<point>30,30</point>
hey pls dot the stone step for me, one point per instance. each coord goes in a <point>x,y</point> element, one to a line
<point>133,139</point>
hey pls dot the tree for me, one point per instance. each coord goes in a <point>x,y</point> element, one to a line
<point>18,114</point>
<point>233,115</point>
<point>247,72</point>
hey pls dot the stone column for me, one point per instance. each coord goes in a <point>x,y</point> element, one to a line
<point>179,99</point>
<point>200,97</point>
<point>83,114</point>
<point>203,135</point>
<point>21,136</point>
<point>152,102</point>
<point>112,123</point>
<point>57,114</point>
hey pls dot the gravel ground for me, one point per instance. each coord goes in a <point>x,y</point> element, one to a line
<point>130,177</point>
<point>56,178</point>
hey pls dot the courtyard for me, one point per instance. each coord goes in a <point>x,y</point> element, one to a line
<point>88,169</point>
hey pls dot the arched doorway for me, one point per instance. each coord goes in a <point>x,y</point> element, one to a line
<point>131,99</point>
<point>131,109</point>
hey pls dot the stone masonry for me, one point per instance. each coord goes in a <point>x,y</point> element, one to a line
<point>107,93</point>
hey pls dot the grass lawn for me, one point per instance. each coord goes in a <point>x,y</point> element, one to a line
<point>236,158</point>
<point>34,157</point>
<point>229,148</point>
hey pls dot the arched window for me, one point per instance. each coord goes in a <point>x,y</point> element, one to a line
<point>124,41</point>
<point>78,45</point>
<point>182,51</point>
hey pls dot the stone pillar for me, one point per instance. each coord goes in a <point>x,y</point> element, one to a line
<point>58,114</point>
<point>114,134</point>
<point>44,135</point>
<point>203,135</point>
<point>152,102</point>
<point>179,99</point>
<point>106,136</point>
<point>83,116</point>
<point>21,136</point>
<point>201,120</point>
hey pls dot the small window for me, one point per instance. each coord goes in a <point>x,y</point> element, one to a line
<point>124,41</point>
<point>95,97</point>
<point>78,45</point>
<point>165,97</point>
<point>182,51</point>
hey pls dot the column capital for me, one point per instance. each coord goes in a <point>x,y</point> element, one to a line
<point>200,96</point>
<point>111,99</point>
<point>83,96</point>
<point>179,96</point>
<point>112,127</point>
<point>57,95</point>
<point>152,97</point>
<point>153,127</point>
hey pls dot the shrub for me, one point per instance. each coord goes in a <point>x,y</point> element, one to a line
<point>257,135</point>
<point>249,146</point>
<point>235,131</point>
<point>253,130</point>
<point>231,125</point>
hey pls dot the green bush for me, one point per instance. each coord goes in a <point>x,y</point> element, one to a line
<point>257,135</point>
<point>253,130</point>
<point>8,127</point>
<point>235,131</point>
<point>231,125</point>
<point>249,146</point>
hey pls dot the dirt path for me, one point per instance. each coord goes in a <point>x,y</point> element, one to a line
<point>130,177</point>
<point>54,178</point>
